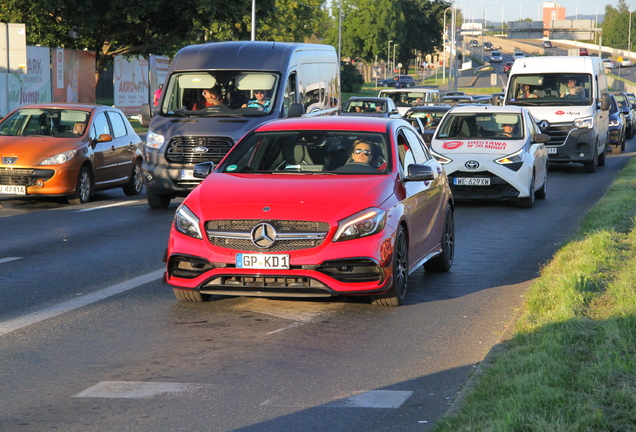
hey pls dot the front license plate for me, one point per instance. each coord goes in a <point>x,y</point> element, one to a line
<point>474,181</point>
<point>187,174</point>
<point>551,150</point>
<point>12,190</point>
<point>261,261</point>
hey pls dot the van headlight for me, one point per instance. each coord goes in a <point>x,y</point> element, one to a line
<point>154,140</point>
<point>361,224</point>
<point>59,158</point>
<point>584,123</point>
<point>187,222</point>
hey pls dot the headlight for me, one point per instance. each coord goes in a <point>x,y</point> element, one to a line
<point>512,158</point>
<point>60,158</point>
<point>154,140</point>
<point>187,223</point>
<point>441,159</point>
<point>584,123</point>
<point>614,123</point>
<point>361,224</point>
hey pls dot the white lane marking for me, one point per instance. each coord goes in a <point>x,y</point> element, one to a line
<point>108,205</point>
<point>138,389</point>
<point>27,320</point>
<point>287,327</point>
<point>9,259</point>
<point>373,399</point>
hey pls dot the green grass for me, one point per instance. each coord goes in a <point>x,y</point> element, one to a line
<point>571,363</point>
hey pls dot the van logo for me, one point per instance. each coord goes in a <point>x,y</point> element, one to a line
<point>559,112</point>
<point>200,149</point>
<point>544,125</point>
<point>9,160</point>
<point>452,145</point>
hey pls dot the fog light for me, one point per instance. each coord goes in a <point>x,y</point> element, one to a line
<point>39,183</point>
<point>581,154</point>
<point>148,177</point>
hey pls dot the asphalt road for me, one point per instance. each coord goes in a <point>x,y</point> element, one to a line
<point>91,340</point>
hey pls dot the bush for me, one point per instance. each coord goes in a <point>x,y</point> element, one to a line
<point>350,79</point>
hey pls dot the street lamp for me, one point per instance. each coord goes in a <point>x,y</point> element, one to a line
<point>253,20</point>
<point>482,33</point>
<point>388,60</point>
<point>502,16</point>
<point>576,15</point>
<point>394,45</point>
<point>339,33</point>
<point>629,37</point>
<point>444,56</point>
<point>596,19</point>
<point>519,9</point>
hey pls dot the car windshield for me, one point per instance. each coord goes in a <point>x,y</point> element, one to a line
<point>224,93</point>
<point>364,106</point>
<point>481,125</point>
<point>405,98</point>
<point>309,152</point>
<point>62,123</point>
<point>550,90</point>
<point>432,117</point>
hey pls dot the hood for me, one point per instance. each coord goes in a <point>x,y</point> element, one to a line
<point>288,196</point>
<point>560,114</point>
<point>490,146</point>
<point>233,127</point>
<point>33,150</point>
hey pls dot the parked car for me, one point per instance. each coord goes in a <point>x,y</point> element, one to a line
<point>609,64</point>
<point>617,129</point>
<point>547,44</point>
<point>430,115</point>
<point>454,100</point>
<point>406,81</point>
<point>488,46</point>
<point>626,62</point>
<point>370,106</point>
<point>518,55</point>
<point>496,57</point>
<point>628,111</point>
<point>68,150</point>
<point>475,43</point>
<point>351,224</point>
<point>507,66</point>
<point>493,152</point>
<point>583,52</point>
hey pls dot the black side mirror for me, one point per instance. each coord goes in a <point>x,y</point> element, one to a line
<point>604,102</point>
<point>296,110</point>
<point>540,138</point>
<point>203,169</point>
<point>417,172</point>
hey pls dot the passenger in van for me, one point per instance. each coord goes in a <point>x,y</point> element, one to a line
<point>526,92</point>
<point>572,89</point>
<point>260,101</point>
<point>212,98</point>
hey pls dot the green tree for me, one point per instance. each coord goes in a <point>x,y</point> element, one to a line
<point>615,26</point>
<point>295,21</point>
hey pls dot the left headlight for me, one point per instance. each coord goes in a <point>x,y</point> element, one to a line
<point>59,158</point>
<point>511,158</point>
<point>361,224</point>
<point>187,222</point>
<point>614,123</point>
<point>584,123</point>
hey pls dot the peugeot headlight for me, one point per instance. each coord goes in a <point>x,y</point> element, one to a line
<point>187,222</point>
<point>59,158</point>
<point>441,159</point>
<point>361,224</point>
<point>584,123</point>
<point>614,123</point>
<point>511,158</point>
<point>154,140</point>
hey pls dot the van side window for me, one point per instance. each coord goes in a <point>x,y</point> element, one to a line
<point>290,94</point>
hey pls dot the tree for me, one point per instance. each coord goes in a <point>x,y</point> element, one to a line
<point>616,25</point>
<point>295,21</point>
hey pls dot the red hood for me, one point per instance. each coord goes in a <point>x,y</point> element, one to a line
<point>33,150</point>
<point>326,198</point>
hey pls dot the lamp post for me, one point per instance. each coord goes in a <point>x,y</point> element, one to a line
<point>576,14</point>
<point>394,45</point>
<point>482,33</point>
<point>444,56</point>
<point>388,60</point>
<point>253,20</point>
<point>339,33</point>
<point>502,16</point>
<point>629,33</point>
<point>595,19</point>
<point>519,9</point>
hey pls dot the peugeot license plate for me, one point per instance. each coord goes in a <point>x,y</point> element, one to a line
<point>12,190</point>
<point>262,261</point>
<point>472,181</point>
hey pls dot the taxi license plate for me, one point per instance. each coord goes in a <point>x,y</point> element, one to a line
<point>261,261</point>
<point>475,181</point>
<point>12,190</point>
<point>551,150</point>
<point>187,174</point>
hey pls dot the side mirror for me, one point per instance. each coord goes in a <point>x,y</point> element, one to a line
<point>296,110</point>
<point>495,100</point>
<point>604,102</point>
<point>202,170</point>
<point>540,138</point>
<point>428,137</point>
<point>417,172</point>
<point>145,116</point>
<point>104,138</point>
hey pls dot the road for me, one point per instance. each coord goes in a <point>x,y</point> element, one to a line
<point>91,340</point>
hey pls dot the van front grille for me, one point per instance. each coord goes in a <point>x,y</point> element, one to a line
<point>194,150</point>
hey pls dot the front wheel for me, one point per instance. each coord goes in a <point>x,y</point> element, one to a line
<point>83,189</point>
<point>395,295</point>
<point>444,261</point>
<point>528,202</point>
<point>590,167</point>
<point>543,191</point>
<point>190,296</point>
<point>136,181</point>
<point>157,201</point>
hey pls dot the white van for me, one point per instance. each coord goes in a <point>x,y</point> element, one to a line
<point>569,100</point>
<point>291,80</point>
<point>407,98</point>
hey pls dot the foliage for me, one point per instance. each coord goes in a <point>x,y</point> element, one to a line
<point>616,26</point>
<point>294,21</point>
<point>350,79</point>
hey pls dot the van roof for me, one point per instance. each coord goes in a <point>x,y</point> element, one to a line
<point>556,64</point>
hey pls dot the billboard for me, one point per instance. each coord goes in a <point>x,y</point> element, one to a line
<point>73,76</point>
<point>31,87</point>
<point>130,79</point>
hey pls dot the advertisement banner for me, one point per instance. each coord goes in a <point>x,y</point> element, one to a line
<point>130,80</point>
<point>73,76</point>
<point>31,87</point>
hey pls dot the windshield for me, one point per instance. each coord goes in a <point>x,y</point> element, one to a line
<point>63,123</point>
<point>309,152</point>
<point>407,98</point>
<point>430,119</point>
<point>220,93</point>
<point>550,90</point>
<point>489,125</point>
<point>364,106</point>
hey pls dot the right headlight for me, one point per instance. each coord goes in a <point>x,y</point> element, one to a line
<point>361,224</point>
<point>614,123</point>
<point>187,222</point>
<point>154,140</point>
<point>441,159</point>
<point>584,123</point>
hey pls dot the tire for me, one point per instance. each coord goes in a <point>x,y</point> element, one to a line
<point>543,192</point>
<point>590,167</point>
<point>528,202</point>
<point>191,296</point>
<point>157,201</point>
<point>407,85</point>
<point>395,295</point>
<point>603,155</point>
<point>83,188</point>
<point>385,84</point>
<point>136,182</point>
<point>444,261</point>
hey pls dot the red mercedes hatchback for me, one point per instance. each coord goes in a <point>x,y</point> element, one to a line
<point>314,207</point>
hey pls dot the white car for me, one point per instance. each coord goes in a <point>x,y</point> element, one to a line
<point>518,55</point>
<point>608,64</point>
<point>496,57</point>
<point>626,62</point>
<point>493,152</point>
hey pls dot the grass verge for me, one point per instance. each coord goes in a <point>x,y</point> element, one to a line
<point>571,363</point>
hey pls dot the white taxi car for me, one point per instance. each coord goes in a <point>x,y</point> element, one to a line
<point>493,152</point>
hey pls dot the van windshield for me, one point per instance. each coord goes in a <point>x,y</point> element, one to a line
<point>550,89</point>
<point>220,93</point>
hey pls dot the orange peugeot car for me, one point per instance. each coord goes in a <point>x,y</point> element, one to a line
<point>68,150</point>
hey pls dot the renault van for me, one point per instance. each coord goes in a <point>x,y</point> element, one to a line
<point>569,100</point>
<point>407,98</point>
<point>252,82</point>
